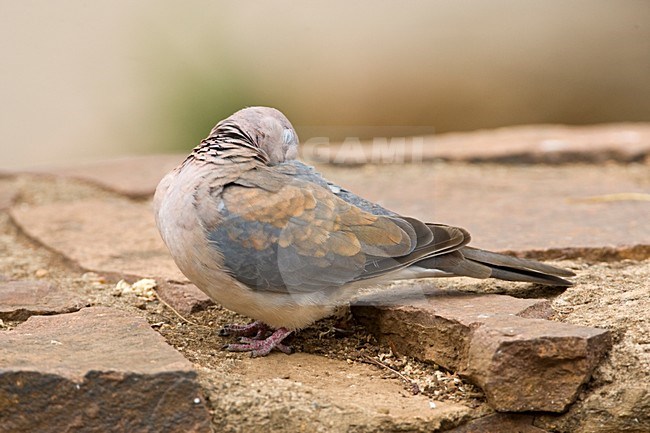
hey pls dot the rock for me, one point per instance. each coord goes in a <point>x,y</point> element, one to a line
<point>577,211</point>
<point>304,392</point>
<point>522,363</point>
<point>435,325</point>
<point>531,364</point>
<point>21,299</point>
<point>134,176</point>
<point>186,298</point>
<point>96,370</point>
<point>613,296</point>
<point>625,410</point>
<point>115,236</point>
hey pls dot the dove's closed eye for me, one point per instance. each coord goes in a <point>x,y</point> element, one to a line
<point>288,136</point>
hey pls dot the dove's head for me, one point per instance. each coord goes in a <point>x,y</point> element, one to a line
<point>263,128</point>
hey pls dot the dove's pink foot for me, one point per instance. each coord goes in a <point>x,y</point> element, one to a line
<point>262,347</point>
<point>256,330</point>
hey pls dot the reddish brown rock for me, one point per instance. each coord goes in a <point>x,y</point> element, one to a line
<point>436,325</point>
<point>185,298</point>
<point>21,299</point>
<point>521,362</point>
<point>116,236</point>
<point>135,176</point>
<point>96,370</point>
<point>555,144</point>
<point>532,364</point>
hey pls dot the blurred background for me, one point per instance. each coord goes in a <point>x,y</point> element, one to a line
<point>83,80</point>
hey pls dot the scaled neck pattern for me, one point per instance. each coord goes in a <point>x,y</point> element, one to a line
<point>228,143</point>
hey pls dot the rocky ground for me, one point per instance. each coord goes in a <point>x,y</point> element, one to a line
<point>100,332</point>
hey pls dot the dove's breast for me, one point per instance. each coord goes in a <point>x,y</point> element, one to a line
<point>183,231</point>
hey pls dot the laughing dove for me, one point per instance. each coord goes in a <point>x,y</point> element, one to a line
<point>268,237</point>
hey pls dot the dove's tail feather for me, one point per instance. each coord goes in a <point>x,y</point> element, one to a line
<point>511,268</point>
<point>475,263</point>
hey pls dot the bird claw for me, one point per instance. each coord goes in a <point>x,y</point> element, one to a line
<point>258,349</point>
<point>262,347</point>
<point>257,330</point>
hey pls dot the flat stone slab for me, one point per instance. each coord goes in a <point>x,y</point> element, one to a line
<point>135,176</point>
<point>184,298</point>
<point>578,210</point>
<point>523,363</point>
<point>116,236</point>
<point>325,395</point>
<point>21,299</point>
<point>98,369</point>
<point>555,144</point>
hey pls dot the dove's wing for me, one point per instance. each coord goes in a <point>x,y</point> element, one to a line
<point>433,240</point>
<point>286,234</point>
<point>446,249</point>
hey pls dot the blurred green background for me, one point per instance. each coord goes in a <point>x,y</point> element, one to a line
<point>83,80</point>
